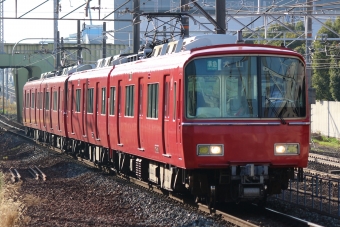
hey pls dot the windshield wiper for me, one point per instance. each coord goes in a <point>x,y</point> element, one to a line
<point>274,109</point>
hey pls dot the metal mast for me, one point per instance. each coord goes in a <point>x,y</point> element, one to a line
<point>2,27</point>
<point>1,51</point>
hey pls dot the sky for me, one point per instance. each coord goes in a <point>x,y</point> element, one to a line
<point>17,29</point>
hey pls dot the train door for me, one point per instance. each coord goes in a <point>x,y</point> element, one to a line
<point>119,110</point>
<point>91,111</point>
<point>140,115</point>
<point>29,106</point>
<point>84,109</point>
<point>50,110</point>
<point>73,106</point>
<point>35,107</point>
<point>58,109</point>
<point>167,124</point>
<point>177,114</point>
<point>77,110</point>
<point>44,108</point>
<point>99,109</point>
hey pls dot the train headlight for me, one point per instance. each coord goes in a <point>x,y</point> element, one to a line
<point>286,149</point>
<point>209,150</point>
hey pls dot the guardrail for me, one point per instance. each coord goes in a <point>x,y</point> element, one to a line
<point>320,193</point>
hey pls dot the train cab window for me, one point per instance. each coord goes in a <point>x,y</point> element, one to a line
<point>47,100</point>
<point>33,101</point>
<point>55,100</point>
<point>245,87</point>
<point>103,101</point>
<point>222,87</point>
<point>78,92</point>
<point>129,100</point>
<point>282,87</point>
<point>112,100</point>
<point>152,104</point>
<point>90,100</point>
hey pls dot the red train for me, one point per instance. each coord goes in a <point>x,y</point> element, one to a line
<point>227,122</point>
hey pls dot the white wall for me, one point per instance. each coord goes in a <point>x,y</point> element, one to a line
<point>326,118</point>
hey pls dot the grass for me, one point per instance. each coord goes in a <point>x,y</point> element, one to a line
<point>10,207</point>
<point>326,141</point>
<point>10,108</point>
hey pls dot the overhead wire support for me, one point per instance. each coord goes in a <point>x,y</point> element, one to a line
<point>116,9</point>
<point>217,26</point>
<point>72,11</point>
<point>33,8</point>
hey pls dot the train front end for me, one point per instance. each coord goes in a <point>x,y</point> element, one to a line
<point>246,121</point>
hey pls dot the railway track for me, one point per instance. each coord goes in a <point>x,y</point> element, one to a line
<point>235,220</point>
<point>325,160</point>
<point>34,171</point>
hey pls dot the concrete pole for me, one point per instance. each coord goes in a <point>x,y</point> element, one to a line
<point>6,79</point>
<point>308,35</point>
<point>104,39</point>
<point>19,115</point>
<point>3,91</point>
<point>55,28</point>
<point>57,65</point>
<point>220,16</point>
<point>78,42</point>
<point>136,27</point>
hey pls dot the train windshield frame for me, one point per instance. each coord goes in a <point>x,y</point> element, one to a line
<point>247,86</point>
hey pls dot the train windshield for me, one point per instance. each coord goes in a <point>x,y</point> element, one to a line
<point>245,87</point>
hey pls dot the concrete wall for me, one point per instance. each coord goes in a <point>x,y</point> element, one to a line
<point>326,118</point>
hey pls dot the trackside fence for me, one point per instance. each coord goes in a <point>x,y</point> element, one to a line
<point>314,192</point>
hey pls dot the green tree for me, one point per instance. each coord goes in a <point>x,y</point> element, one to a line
<point>334,80</point>
<point>324,78</point>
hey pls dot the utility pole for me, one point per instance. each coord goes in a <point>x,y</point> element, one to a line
<point>136,27</point>
<point>104,39</point>
<point>2,51</point>
<point>56,34</point>
<point>78,42</point>
<point>220,16</point>
<point>185,19</point>
<point>308,35</point>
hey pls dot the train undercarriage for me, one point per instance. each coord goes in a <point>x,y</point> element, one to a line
<point>236,183</point>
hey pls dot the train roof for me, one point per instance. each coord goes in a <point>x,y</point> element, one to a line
<point>194,44</point>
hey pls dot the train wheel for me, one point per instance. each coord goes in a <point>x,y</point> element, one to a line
<point>63,144</point>
<point>46,137</point>
<point>27,131</point>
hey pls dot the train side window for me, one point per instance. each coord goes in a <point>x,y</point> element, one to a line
<point>78,92</point>
<point>55,100</point>
<point>140,99</point>
<point>27,100</point>
<point>112,100</point>
<point>175,101</point>
<point>152,101</point>
<point>166,100</point>
<point>129,95</point>
<point>90,100</point>
<point>47,101</point>
<point>103,100</point>
<point>33,100</point>
<point>38,100</point>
